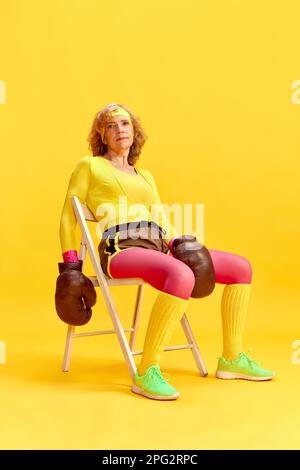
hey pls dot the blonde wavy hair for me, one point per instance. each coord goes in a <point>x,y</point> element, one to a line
<point>96,145</point>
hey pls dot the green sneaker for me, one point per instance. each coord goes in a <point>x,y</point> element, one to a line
<point>242,368</point>
<point>153,385</point>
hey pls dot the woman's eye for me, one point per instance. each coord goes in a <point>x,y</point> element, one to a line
<point>112,125</point>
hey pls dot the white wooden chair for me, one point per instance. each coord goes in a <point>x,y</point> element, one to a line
<point>83,214</point>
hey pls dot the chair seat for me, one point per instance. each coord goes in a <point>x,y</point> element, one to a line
<point>118,281</point>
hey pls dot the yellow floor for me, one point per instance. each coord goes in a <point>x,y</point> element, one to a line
<point>92,407</point>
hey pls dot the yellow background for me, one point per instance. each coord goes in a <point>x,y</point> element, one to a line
<point>212,83</point>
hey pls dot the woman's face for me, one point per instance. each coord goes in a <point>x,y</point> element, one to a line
<point>118,133</point>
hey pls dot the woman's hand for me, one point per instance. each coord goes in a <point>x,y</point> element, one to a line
<point>75,294</point>
<point>195,255</point>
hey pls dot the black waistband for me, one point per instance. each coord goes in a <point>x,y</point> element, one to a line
<point>111,231</point>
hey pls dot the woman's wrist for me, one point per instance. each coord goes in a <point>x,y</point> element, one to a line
<point>70,256</point>
<point>171,243</point>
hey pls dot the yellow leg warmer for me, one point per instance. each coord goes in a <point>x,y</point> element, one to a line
<point>165,316</point>
<point>234,307</point>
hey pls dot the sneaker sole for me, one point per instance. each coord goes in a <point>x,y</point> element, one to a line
<point>234,375</point>
<point>140,391</point>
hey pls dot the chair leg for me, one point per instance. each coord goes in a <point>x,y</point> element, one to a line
<point>68,348</point>
<point>195,349</point>
<point>121,337</point>
<point>136,316</point>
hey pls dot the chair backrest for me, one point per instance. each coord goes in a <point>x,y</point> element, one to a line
<point>88,215</point>
<point>83,214</point>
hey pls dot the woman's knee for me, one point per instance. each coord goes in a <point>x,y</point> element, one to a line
<point>180,280</point>
<point>244,270</point>
<point>231,268</point>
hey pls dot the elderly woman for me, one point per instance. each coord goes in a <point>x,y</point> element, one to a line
<point>116,139</point>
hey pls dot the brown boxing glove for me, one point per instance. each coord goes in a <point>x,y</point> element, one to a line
<point>187,249</point>
<point>74,295</point>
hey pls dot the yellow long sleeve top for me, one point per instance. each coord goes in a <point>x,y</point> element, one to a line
<point>113,196</point>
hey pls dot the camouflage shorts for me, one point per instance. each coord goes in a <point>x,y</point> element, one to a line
<point>142,234</point>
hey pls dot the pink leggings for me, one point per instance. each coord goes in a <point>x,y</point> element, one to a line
<point>168,274</point>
